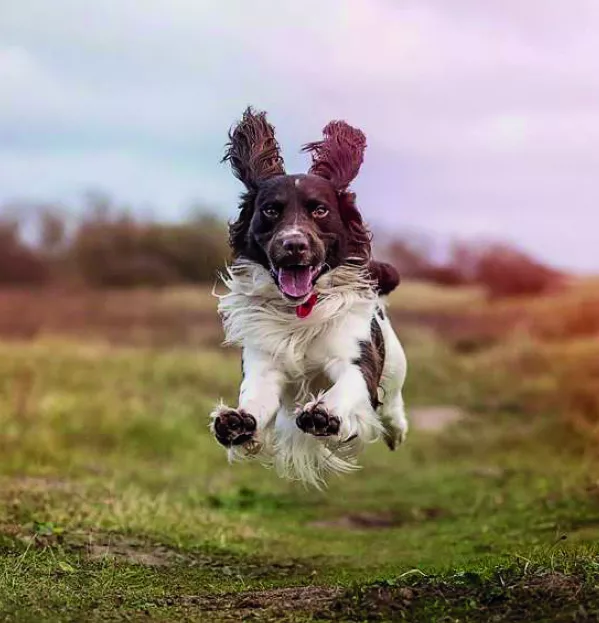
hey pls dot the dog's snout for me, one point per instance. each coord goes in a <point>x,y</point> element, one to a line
<point>295,246</point>
<point>295,243</point>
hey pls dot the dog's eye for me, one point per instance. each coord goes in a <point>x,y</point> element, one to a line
<point>271,210</point>
<point>320,211</point>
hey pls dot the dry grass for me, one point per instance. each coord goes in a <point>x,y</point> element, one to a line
<point>187,315</point>
<point>427,297</point>
<point>570,313</point>
<point>139,317</point>
<point>549,344</point>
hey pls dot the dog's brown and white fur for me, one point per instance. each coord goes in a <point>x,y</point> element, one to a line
<point>322,367</point>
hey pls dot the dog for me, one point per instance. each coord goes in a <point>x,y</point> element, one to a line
<point>322,368</point>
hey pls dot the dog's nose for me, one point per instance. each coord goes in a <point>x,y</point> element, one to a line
<point>295,243</point>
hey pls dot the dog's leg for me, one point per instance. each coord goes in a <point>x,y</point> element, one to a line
<point>393,418</point>
<point>392,411</point>
<point>353,361</point>
<point>345,410</point>
<point>259,399</point>
<point>328,432</point>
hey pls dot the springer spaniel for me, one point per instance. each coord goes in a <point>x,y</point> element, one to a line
<point>322,367</point>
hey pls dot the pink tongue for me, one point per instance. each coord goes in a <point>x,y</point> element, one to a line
<point>296,282</point>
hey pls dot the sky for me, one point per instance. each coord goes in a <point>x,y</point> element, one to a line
<point>482,118</point>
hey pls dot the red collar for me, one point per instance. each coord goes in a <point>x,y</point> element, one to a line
<point>305,309</point>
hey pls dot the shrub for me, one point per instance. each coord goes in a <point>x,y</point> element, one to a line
<point>502,270</point>
<point>18,264</point>
<point>506,271</point>
<point>123,252</point>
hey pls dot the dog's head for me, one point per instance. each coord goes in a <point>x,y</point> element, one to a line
<point>297,226</point>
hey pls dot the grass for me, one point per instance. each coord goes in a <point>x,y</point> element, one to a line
<point>115,503</point>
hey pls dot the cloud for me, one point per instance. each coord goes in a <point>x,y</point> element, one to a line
<point>481,117</point>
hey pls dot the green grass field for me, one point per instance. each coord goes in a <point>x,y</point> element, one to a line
<point>117,505</point>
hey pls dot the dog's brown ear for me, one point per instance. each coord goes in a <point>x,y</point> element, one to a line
<point>253,150</point>
<point>339,155</point>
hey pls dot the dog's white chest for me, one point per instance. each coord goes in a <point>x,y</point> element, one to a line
<point>255,317</point>
<point>307,346</point>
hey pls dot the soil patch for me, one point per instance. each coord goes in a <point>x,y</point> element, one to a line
<point>360,521</point>
<point>378,521</point>
<point>277,604</point>
<point>464,597</point>
<point>133,553</point>
<point>435,419</point>
<point>543,597</point>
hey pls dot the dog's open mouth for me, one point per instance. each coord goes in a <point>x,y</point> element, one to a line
<point>297,282</point>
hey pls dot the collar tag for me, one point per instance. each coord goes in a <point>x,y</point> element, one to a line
<point>305,309</point>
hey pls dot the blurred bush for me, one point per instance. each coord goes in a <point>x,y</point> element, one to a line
<point>123,252</point>
<point>19,265</point>
<point>502,270</point>
<point>505,271</point>
<point>110,247</point>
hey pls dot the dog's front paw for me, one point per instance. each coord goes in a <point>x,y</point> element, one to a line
<point>315,419</point>
<point>233,427</point>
